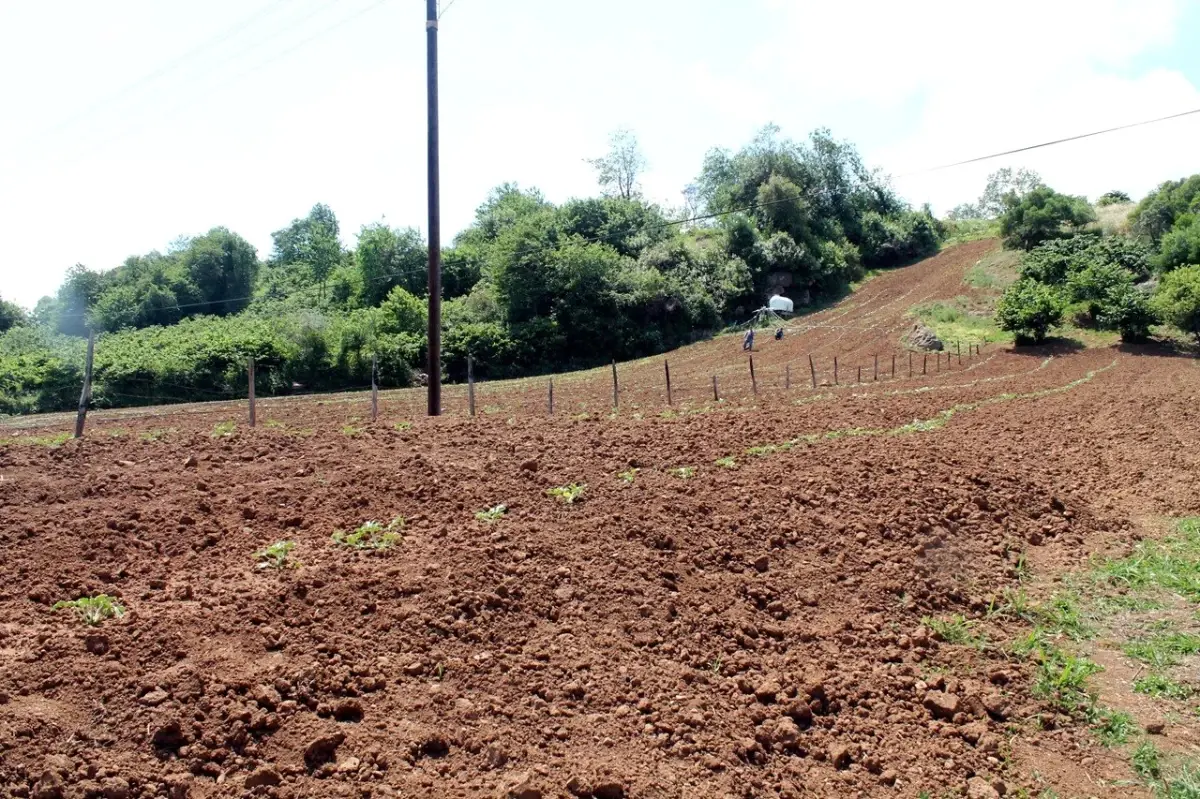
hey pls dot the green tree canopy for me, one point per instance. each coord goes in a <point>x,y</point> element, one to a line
<point>1178,299</point>
<point>1041,215</point>
<point>389,257</point>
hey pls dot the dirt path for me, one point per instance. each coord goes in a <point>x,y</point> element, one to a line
<point>735,605</point>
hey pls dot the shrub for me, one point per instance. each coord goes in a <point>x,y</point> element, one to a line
<point>1128,309</point>
<point>1113,198</point>
<point>1179,247</point>
<point>1029,309</point>
<point>1178,299</point>
<point>1041,215</point>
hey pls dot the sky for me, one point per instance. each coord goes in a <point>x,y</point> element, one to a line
<point>129,123</point>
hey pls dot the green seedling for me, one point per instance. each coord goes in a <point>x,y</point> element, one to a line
<point>493,514</point>
<point>1114,727</point>
<point>276,556</point>
<point>371,535</point>
<point>954,630</point>
<point>1146,761</point>
<point>402,426</point>
<point>629,475</point>
<point>351,430</point>
<point>1163,651</point>
<point>684,472</point>
<point>223,429</point>
<point>1161,687</point>
<point>1062,679</point>
<point>567,495</point>
<point>727,462</point>
<point>95,609</point>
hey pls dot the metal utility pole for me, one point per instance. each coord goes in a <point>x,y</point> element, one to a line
<point>435,221</point>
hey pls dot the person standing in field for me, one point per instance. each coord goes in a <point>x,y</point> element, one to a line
<point>748,341</point>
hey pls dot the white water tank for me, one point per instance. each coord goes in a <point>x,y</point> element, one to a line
<point>781,304</point>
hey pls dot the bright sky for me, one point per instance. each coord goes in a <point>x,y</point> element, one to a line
<point>130,122</point>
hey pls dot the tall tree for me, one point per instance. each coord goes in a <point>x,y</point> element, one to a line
<point>223,266</point>
<point>389,257</point>
<point>11,315</point>
<point>1004,182</point>
<point>619,170</point>
<point>311,242</point>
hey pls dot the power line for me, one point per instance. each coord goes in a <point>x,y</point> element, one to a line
<point>1054,142</point>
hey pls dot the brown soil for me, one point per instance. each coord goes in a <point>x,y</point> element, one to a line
<point>750,631</point>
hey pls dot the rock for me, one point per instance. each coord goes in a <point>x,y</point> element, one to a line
<point>116,788</point>
<point>996,706</point>
<point>521,786</point>
<point>924,338</point>
<point>191,462</point>
<point>1156,728</point>
<point>978,788</point>
<point>530,465</point>
<point>322,750</point>
<point>348,710</point>
<point>97,643</point>
<point>415,669</point>
<point>349,765</point>
<point>574,690</point>
<point>495,756</point>
<point>840,756</point>
<point>263,777</point>
<point>941,705</point>
<point>888,777</point>
<point>762,563</point>
<point>989,744</point>
<point>767,691</point>
<point>608,789</point>
<point>155,698</point>
<point>974,731</point>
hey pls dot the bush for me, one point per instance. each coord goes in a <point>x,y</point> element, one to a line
<point>1029,309</point>
<point>1128,310</point>
<point>1041,215</point>
<point>1178,299</point>
<point>1180,246</point>
<point>1113,198</point>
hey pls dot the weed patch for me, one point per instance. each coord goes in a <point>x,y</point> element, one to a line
<point>492,514</point>
<point>277,556</point>
<point>954,630</point>
<point>371,535</point>
<point>94,609</point>
<point>567,495</point>
<point>223,429</point>
<point>1160,687</point>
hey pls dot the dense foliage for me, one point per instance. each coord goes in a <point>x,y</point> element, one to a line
<point>1029,309</point>
<point>529,287</point>
<point>1178,299</point>
<point>1041,215</point>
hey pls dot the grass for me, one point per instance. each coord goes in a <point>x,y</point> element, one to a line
<point>371,535</point>
<point>56,440</point>
<point>960,319</point>
<point>1171,564</point>
<point>1114,727</point>
<point>277,556</point>
<point>684,472</point>
<point>954,630</point>
<point>629,475</point>
<point>1062,679</point>
<point>996,271</point>
<point>223,429</point>
<point>492,514</point>
<point>93,610</point>
<point>728,462</point>
<point>965,230</point>
<point>402,426</point>
<point>352,430</point>
<point>157,434</point>
<point>568,494</point>
<point>1146,761</point>
<point>1162,651</point>
<point>1161,687</point>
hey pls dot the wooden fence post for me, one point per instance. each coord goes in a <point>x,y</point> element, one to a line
<point>471,384</point>
<point>910,364</point>
<point>85,396</point>
<point>958,347</point>
<point>893,367</point>
<point>250,373</point>
<point>813,371</point>
<point>716,398</point>
<point>616,390</point>
<point>860,374</point>
<point>667,369</point>
<point>550,398</point>
<point>876,367</point>
<point>787,376</point>
<point>938,365</point>
<point>374,388</point>
<point>925,364</point>
<point>835,371</point>
<point>753,382</point>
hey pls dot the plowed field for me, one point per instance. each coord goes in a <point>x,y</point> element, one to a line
<point>733,606</point>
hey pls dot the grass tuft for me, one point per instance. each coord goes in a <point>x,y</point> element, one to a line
<point>492,514</point>
<point>93,610</point>
<point>371,535</point>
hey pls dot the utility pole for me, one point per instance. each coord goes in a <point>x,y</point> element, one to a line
<point>435,222</point>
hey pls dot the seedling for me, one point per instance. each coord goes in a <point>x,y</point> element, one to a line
<point>1157,685</point>
<point>715,666</point>
<point>684,472</point>
<point>351,430</point>
<point>727,462</point>
<point>954,630</point>
<point>371,535</point>
<point>1146,762</point>
<point>277,556</point>
<point>223,429</point>
<point>1114,727</point>
<point>567,494</point>
<point>95,609</point>
<point>629,475</point>
<point>494,514</point>
<point>402,426</point>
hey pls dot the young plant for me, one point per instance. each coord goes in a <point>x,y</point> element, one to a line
<point>1146,761</point>
<point>629,475</point>
<point>276,556</point>
<point>402,426</point>
<point>1161,687</point>
<point>94,609</point>
<point>567,495</point>
<point>493,514</point>
<point>727,462</point>
<point>223,429</point>
<point>954,630</point>
<point>371,535</point>
<point>684,472</point>
<point>1114,727</point>
<point>351,430</point>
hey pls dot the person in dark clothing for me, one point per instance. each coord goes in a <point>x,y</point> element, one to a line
<point>779,334</point>
<point>748,341</point>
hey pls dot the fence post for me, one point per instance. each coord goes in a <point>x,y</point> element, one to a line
<point>250,373</point>
<point>753,382</point>
<point>876,367</point>
<point>813,371</point>
<point>893,367</point>
<point>787,376</point>
<point>471,384</point>
<point>860,374</point>
<point>616,391</point>
<point>85,396</point>
<point>550,398</point>
<point>716,398</point>
<point>925,364</point>
<point>667,369</point>
<point>958,347</point>
<point>374,387</point>
<point>910,364</point>
<point>835,371</point>
<point>938,364</point>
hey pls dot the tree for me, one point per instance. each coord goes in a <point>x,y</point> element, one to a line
<point>11,315</point>
<point>1004,183</point>
<point>1029,309</point>
<point>1041,215</point>
<point>389,257</point>
<point>1113,198</point>
<point>223,267</point>
<point>1180,246</point>
<point>1178,299</point>
<point>311,242</point>
<point>1128,309</point>
<point>618,171</point>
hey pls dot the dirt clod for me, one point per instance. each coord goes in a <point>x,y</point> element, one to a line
<point>941,705</point>
<point>262,777</point>
<point>322,750</point>
<point>979,788</point>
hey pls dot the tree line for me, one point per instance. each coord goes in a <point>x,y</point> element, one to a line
<point>529,287</point>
